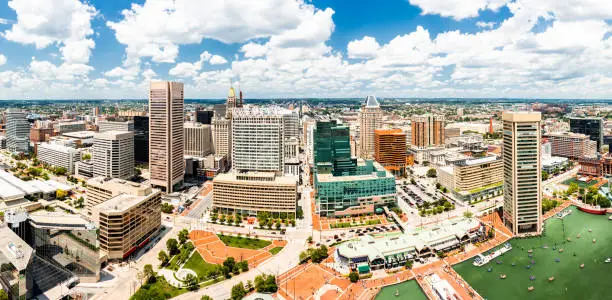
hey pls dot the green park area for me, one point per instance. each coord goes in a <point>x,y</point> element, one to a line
<point>553,268</point>
<point>275,250</point>
<point>201,267</point>
<point>157,288</point>
<point>405,290</point>
<point>243,242</point>
<point>581,184</point>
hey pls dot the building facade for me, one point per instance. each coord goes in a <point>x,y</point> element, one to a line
<point>370,119</point>
<point>593,127</point>
<point>222,136</point>
<point>390,150</point>
<point>141,139</point>
<point>104,126</point>
<point>198,139</point>
<point>522,172</point>
<point>166,135</point>
<point>113,154</point>
<point>17,131</point>
<point>204,116</point>
<point>571,145</point>
<point>69,126</point>
<point>251,192</point>
<point>427,131</point>
<point>59,156</point>
<point>471,179</point>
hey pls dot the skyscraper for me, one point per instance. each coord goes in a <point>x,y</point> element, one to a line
<point>166,118</point>
<point>113,154</point>
<point>390,150</point>
<point>204,116</point>
<point>370,119</point>
<point>17,131</point>
<point>522,172</point>
<point>593,127</point>
<point>198,139</point>
<point>141,139</point>
<point>427,131</point>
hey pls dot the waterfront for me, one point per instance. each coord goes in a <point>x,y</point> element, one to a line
<point>546,261</point>
<point>406,290</point>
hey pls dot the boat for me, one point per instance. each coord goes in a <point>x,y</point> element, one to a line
<point>582,266</point>
<point>530,251</point>
<point>590,230</point>
<point>608,260</point>
<point>610,218</point>
<point>531,288</point>
<point>396,293</point>
<point>481,260</point>
<point>596,210</point>
<point>594,241</point>
<point>561,250</point>
<point>578,236</point>
<point>551,278</point>
<point>502,276</point>
<point>564,213</point>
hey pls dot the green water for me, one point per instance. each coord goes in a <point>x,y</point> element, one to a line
<point>570,281</point>
<point>409,290</point>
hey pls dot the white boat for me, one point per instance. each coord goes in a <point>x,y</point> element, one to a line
<point>608,260</point>
<point>610,217</point>
<point>481,260</point>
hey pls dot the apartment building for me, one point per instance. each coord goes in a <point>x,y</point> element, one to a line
<point>427,131</point>
<point>571,145</point>
<point>59,156</point>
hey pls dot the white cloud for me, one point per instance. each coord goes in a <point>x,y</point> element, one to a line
<point>254,50</point>
<point>64,22</point>
<point>45,70</point>
<point>217,60</point>
<point>364,48</point>
<point>4,21</point>
<point>2,59</point>
<point>488,25</point>
<point>185,69</point>
<point>457,9</point>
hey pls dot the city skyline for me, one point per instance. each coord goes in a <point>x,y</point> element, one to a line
<point>416,48</point>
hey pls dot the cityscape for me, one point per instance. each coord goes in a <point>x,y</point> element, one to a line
<point>360,183</point>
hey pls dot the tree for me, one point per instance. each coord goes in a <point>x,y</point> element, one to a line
<point>544,175</point>
<point>172,246</point>
<point>249,285</point>
<point>148,272</point>
<point>412,181</point>
<point>60,194</point>
<point>293,223</point>
<point>441,254</point>
<point>229,262</point>
<point>213,217</point>
<point>278,226</point>
<point>238,291</point>
<point>167,208</point>
<point>59,171</point>
<point>266,283</point>
<point>354,277</point>
<point>468,214</point>
<point>3,295</point>
<point>206,297</point>
<point>191,282</point>
<point>79,203</point>
<point>408,264</point>
<point>183,235</point>
<point>438,185</point>
<point>237,220</point>
<point>432,173</point>
<point>86,156</point>
<point>309,240</point>
<point>163,258</point>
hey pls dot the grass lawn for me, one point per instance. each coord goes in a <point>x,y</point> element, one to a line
<point>275,250</point>
<point>242,242</point>
<point>173,264</point>
<point>198,265</point>
<point>160,289</point>
<point>581,184</point>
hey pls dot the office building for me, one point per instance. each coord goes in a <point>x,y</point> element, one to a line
<point>219,110</point>
<point>257,138</point>
<point>141,139</point>
<point>222,136</point>
<point>113,154</point>
<point>69,126</point>
<point>390,150</point>
<point>166,144</point>
<point>40,135</point>
<point>17,131</point>
<point>128,214</point>
<point>593,127</point>
<point>427,131</point>
<point>95,111</point>
<point>104,126</point>
<point>230,103</point>
<point>198,139</point>
<point>131,114</point>
<point>522,172</point>
<point>471,179</point>
<point>291,124</point>
<point>370,119</point>
<point>58,155</point>
<point>291,158</point>
<point>204,116</point>
<point>571,145</point>
<point>251,192</point>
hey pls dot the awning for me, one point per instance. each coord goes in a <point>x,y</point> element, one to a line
<point>363,268</point>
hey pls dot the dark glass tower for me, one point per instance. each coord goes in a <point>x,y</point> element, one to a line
<point>593,127</point>
<point>332,149</point>
<point>204,116</point>
<point>141,139</point>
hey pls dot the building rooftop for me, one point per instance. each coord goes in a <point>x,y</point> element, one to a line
<point>259,177</point>
<point>122,202</point>
<point>114,135</point>
<point>60,219</point>
<point>13,188</point>
<point>58,147</point>
<point>120,186</point>
<point>370,101</point>
<point>375,174</point>
<point>260,111</point>
<point>567,134</point>
<point>522,116</point>
<point>14,248</point>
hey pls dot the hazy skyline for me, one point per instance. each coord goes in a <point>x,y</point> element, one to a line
<point>403,48</point>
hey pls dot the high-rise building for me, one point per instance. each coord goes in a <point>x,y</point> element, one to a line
<point>113,154</point>
<point>104,126</point>
<point>427,131</point>
<point>257,138</point>
<point>593,127</point>
<point>205,116</point>
<point>59,156</point>
<point>332,148</point>
<point>166,134</point>
<point>390,150</point>
<point>230,103</point>
<point>522,172</point>
<point>95,111</point>
<point>471,179</point>
<point>370,119</point>
<point>141,139</point>
<point>17,131</point>
<point>571,145</point>
<point>222,136</point>
<point>198,139</point>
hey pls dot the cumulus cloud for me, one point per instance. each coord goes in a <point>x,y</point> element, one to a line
<point>364,48</point>
<point>253,50</point>
<point>4,21</point>
<point>2,59</point>
<point>217,60</point>
<point>457,9</point>
<point>488,25</point>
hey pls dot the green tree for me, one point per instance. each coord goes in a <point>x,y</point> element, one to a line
<point>412,181</point>
<point>206,297</point>
<point>408,264</point>
<point>60,194</point>
<point>265,283</point>
<point>468,214</point>
<point>544,175</point>
<point>278,226</point>
<point>148,272</point>
<point>86,156</point>
<point>163,257</point>
<point>172,246</point>
<point>191,282</point>
<point>183,235</point>
<point>167,208</point>
<point>353,277</point>
<point>229,263</point>
<point>3,295</point>
<point>238,291</point>
<point>432,173</point>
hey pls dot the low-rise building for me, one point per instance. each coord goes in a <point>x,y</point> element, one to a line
<point>471,178</point>
<point>104,126</point>
<point>251,192</point>
<point>571,145</point>
<point>58,156</point>
<point>69,126</point>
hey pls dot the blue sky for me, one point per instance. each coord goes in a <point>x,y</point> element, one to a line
<point>58,49</point>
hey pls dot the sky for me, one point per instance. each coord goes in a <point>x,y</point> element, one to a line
<point>100,49</point>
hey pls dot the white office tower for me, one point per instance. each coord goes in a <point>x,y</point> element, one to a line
<point>59,155</point>
<point>258,137</point>
<point>166,118</point>
<point>17,131</point>
<point>104,126</point>
<point>370,119</point>
<point>291,120</point>
<point>222,136</point>
<point>198,139</point>
<point>113,154</point>
<point>522,172</point>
